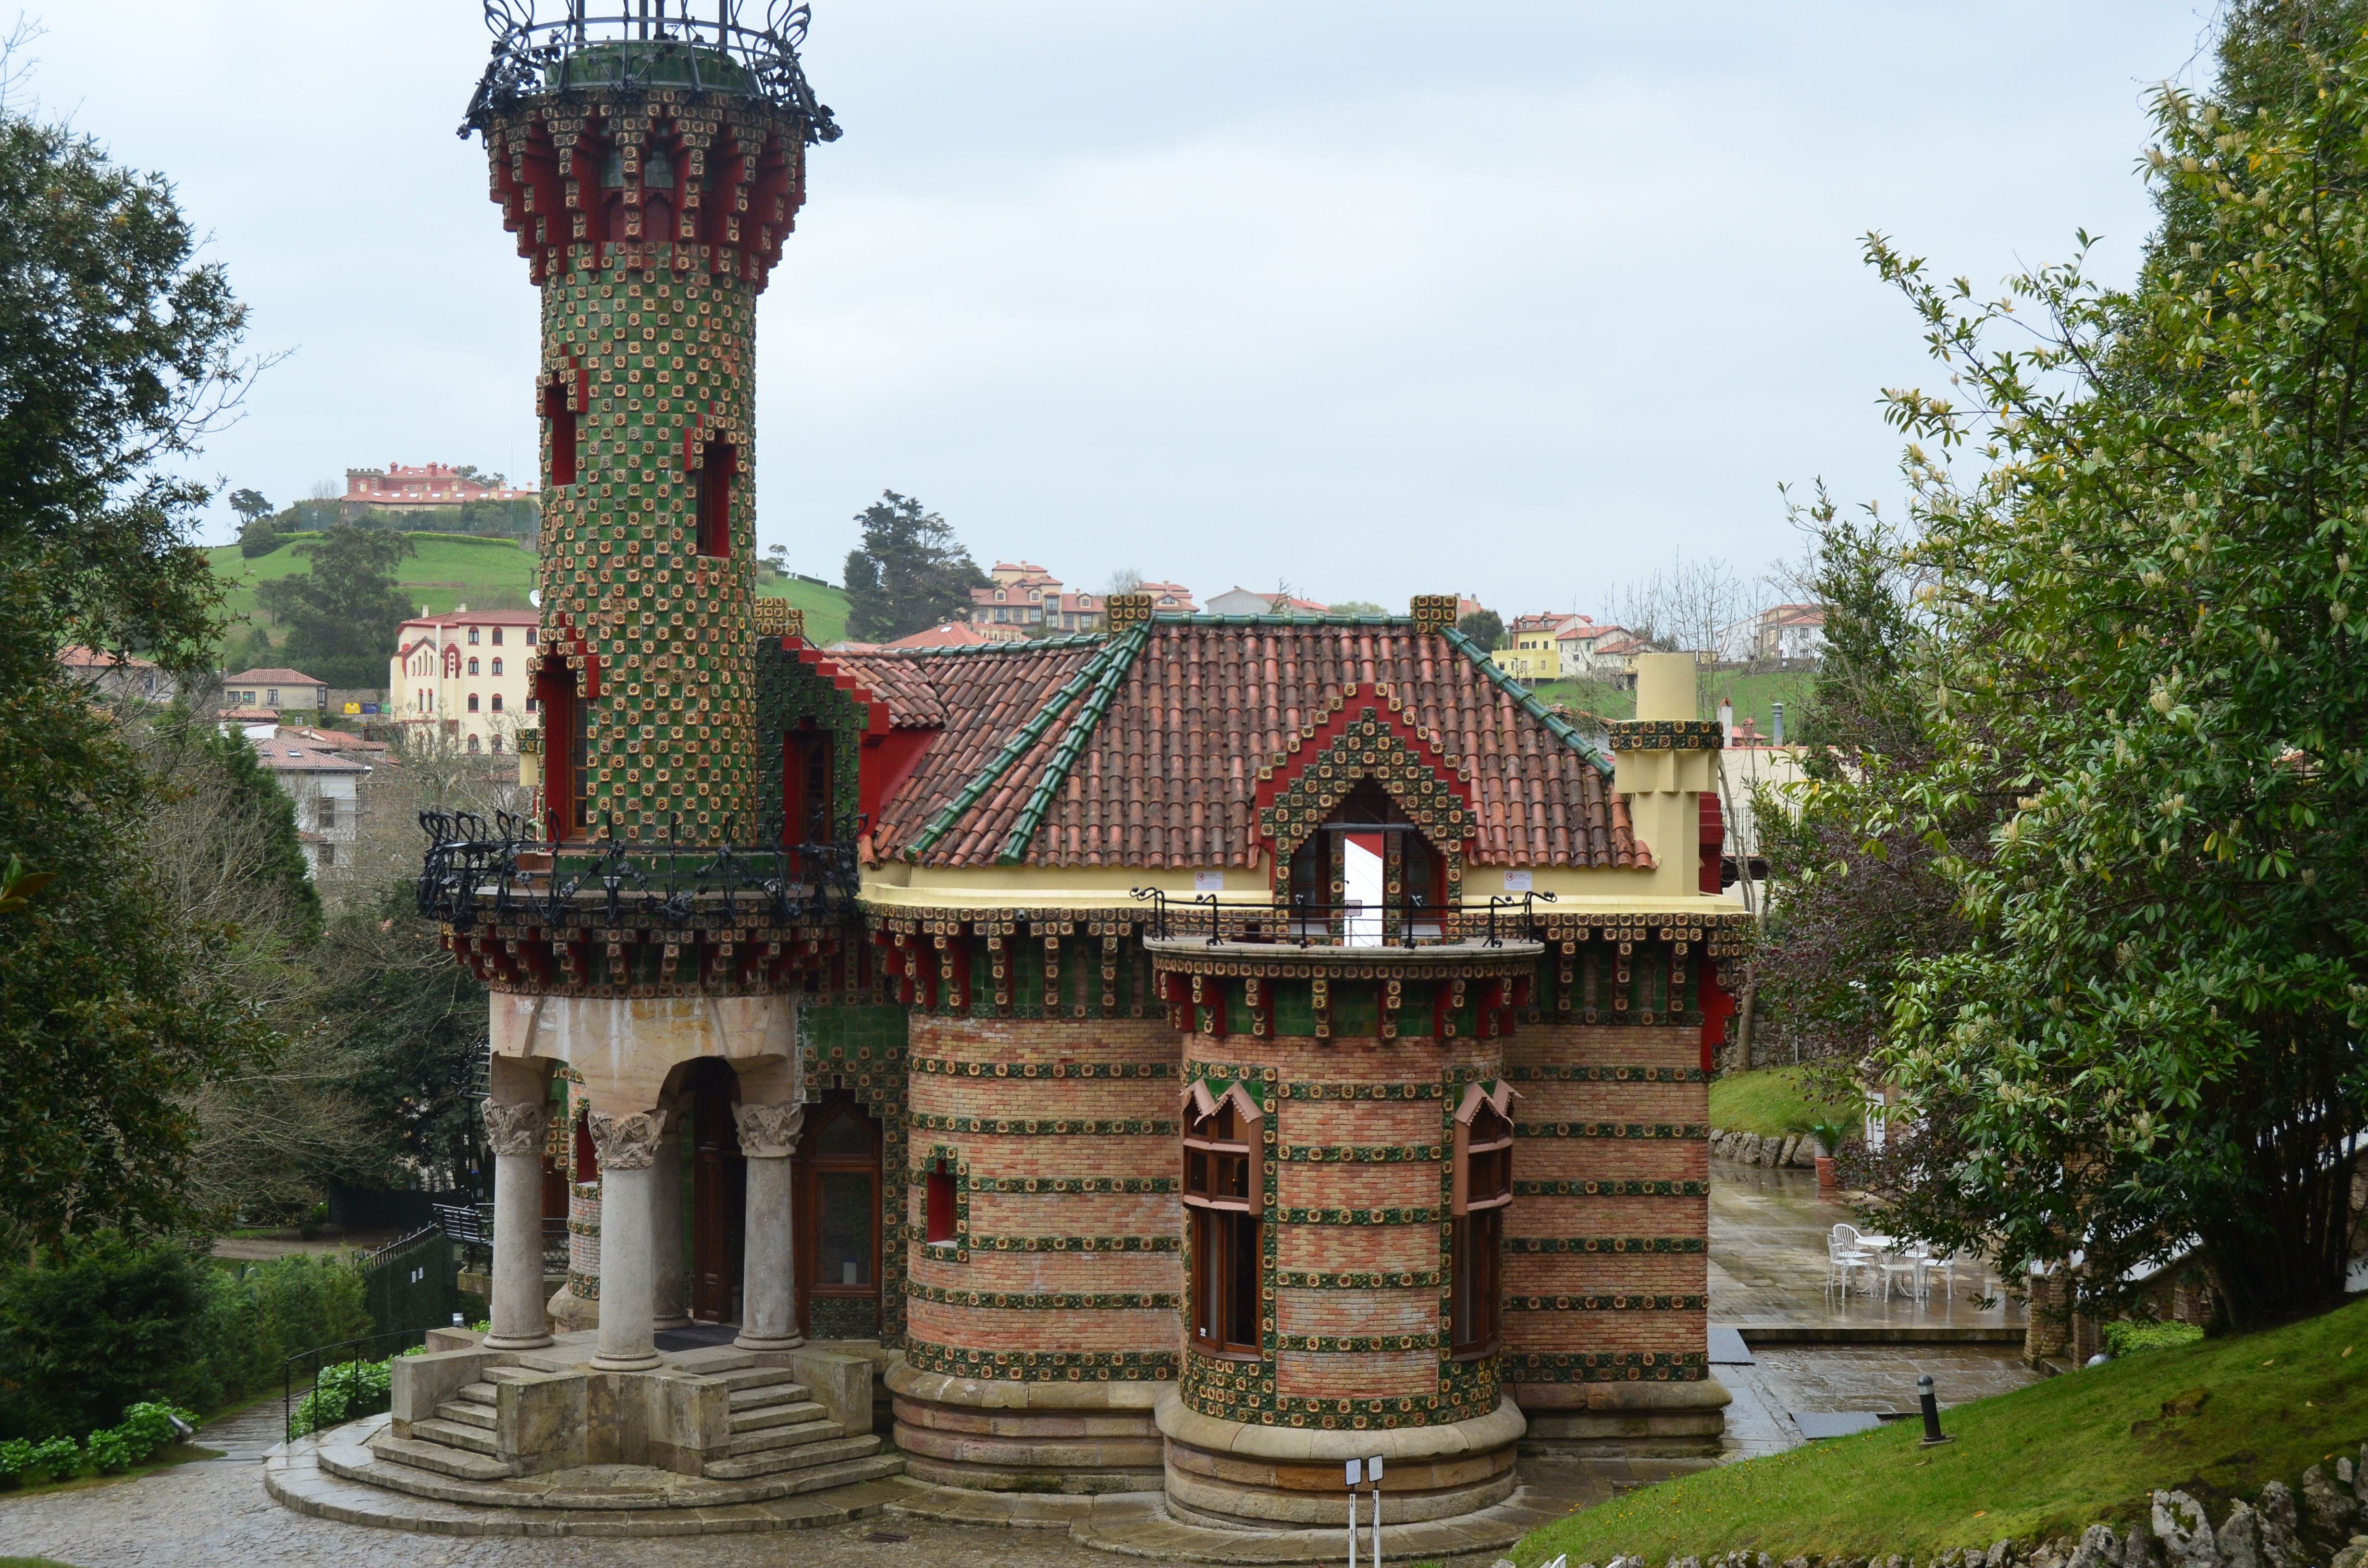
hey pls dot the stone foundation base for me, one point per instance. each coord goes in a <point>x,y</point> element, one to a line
<point>984,1434</point>
<point>1262,1477</point>
<point>571,1313</point>
<point>1624,1419</point>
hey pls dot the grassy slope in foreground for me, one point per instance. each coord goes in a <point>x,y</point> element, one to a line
<point>2043,1461</point>
<point>1770,1101</point>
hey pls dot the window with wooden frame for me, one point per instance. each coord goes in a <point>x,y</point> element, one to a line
<point>567,773</point>
<point>1483,1188</point>
<point>1223,1199</point>
<point>806,805</point>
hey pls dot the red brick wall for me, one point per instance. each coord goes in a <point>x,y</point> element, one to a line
<point>1046,1217</point>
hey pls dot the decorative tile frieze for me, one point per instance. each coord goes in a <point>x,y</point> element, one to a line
<point>1425,1216</point>
<point>1621,1074</point>
<point>1362,1153</point>
<point>1042,1366</point>
<point>1377,1279</point>
<point>1603,1367</point>
<point>1611,1189</point>
<point>1604,1243</point>
<point>1063,1127</point>
<point>1348,1344</point>
<point>1610,1130</point>
<point>1077,1243</point>
<point>1665,734</point>
<point>1047,1301</point>
<point>1617,1303</point>
<point>944,1067</point>
<point>1051,1185</point>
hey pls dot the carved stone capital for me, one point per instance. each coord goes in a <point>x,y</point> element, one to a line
<point>768,1131</point>
<point>516,1128</point>
<point>626,1143</point>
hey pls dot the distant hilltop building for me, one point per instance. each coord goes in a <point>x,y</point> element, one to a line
<point>428,487</point>
<point>1024,600</point>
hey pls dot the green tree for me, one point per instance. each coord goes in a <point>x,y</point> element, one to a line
<point>117,351</point>
<point>341,616</point>
<point>1358,606</point>
<point>2148,705</point>
<point>908,574</point>
<point>1484,627</point>
<point>249,505</point>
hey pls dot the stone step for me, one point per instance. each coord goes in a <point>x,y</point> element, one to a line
<point>467,1414</point>
<point>510,1374</point>
<point>785,1437</point>
<point>747,1395</point>
<point>791,1414</point>
<point>846,1472</point>
<point>452,1434</point>
<point>438,1458</point>
<point>485,1395</point>
<point>772,1461</point>
<point>753,1377</point>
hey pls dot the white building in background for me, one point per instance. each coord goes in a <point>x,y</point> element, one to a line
<point>317,769</point>
<point>466,674</point>
<point>1780,631</point>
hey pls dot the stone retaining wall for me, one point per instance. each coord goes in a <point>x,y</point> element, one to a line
<point>1797,1151</point>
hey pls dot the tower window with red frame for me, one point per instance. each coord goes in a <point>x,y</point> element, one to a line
<point>711,496</point>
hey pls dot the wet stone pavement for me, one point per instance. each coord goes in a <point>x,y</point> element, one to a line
<point>1767,1269</point>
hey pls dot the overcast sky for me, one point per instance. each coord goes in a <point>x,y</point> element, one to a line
<point>1377,299</point>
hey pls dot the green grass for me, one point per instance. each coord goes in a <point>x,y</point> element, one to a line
<point>2040,1462</point>
<point>163,1459</point>
<point>1770,1101</point>
<point>1753,695</point>
<point>450,570</point>
<point>826,606</point>
<point>33,1562</point>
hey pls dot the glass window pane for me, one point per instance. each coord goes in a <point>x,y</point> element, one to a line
<point>845,1135</point>
<point>1242,1284</point>
<point>1196,1178</point>
<point>845,1229</point>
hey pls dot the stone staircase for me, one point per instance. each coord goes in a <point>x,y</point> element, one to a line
<point>460,1442</point>
<point>782,1443</point>
<point>776,1428</point>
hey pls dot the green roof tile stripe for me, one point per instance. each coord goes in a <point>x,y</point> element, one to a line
<point>1556,726</point>
<point>964,650</point>
<point>1127,648</point>
<point>1022,741</point>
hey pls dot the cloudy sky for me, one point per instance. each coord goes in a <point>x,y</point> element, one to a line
<point>1372,298</point>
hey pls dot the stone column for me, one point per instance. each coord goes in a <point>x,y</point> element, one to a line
<point>627,1147</point>
<point>673,1288</point>
<point>515,1130</point>
<point>769,1314</point>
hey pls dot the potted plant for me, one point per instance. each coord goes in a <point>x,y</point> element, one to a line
<point>1828,1137</point>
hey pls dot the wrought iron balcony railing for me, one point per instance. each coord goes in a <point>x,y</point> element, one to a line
<point>505,872</point>
<point>1408,922</point>
<point>704,45</point>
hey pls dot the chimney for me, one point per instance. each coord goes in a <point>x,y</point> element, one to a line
<point>1726,719</point>
<point>1776,720</point>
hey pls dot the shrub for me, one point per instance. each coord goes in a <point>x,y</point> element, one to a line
<point>102,1321</point>
<point>145,1428</point>
<point>252,1320</point>
<point>2129,1338</point>
<point>36,1463</point>
<point>343,1392</point>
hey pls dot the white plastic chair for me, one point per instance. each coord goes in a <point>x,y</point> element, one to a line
<point>1910,1269</point>
<point>1842,1255</point>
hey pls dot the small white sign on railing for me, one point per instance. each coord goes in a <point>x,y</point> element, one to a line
<point>1363,1472</point>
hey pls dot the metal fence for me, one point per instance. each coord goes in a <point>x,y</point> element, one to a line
<point>302,1376</point>
<point>413,1284</point>
<point>1410,922</point>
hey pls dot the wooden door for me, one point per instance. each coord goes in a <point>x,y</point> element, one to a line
<point>839,1222</point>
<point>719,1196</point>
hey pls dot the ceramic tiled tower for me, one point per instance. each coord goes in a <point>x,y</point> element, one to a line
<point>651,196</point>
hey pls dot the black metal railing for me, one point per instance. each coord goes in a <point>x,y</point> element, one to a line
<point>503,871</point>
<point>704,45</point>
<point>338,1383</point>
<point>1412,922</point>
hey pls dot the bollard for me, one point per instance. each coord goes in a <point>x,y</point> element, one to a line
<point>1933,1436</point>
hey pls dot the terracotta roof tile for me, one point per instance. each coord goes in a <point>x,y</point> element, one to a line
<point>1169,774</point>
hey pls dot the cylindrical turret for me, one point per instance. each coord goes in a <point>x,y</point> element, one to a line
<point>651,164</point>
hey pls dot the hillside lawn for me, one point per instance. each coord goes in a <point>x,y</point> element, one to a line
<point>482,572</point>
<point>2041,1462</point>
<point>1770,1101</point>
<point>1754,697</point>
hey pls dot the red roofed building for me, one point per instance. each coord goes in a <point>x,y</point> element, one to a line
<point>427,487</point>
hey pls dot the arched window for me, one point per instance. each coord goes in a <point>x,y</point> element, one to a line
<point>1483,1186</point>
<point>472,663</point>
<point>497,642</point>
<point>473,745</point>
<point>498,698</point>
<point>472,643</point>
<point>472,702</point>
<point>497,663</point>
<point>1223,1199</point>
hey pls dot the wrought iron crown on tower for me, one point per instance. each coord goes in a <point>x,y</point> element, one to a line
<point>702,45</point>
